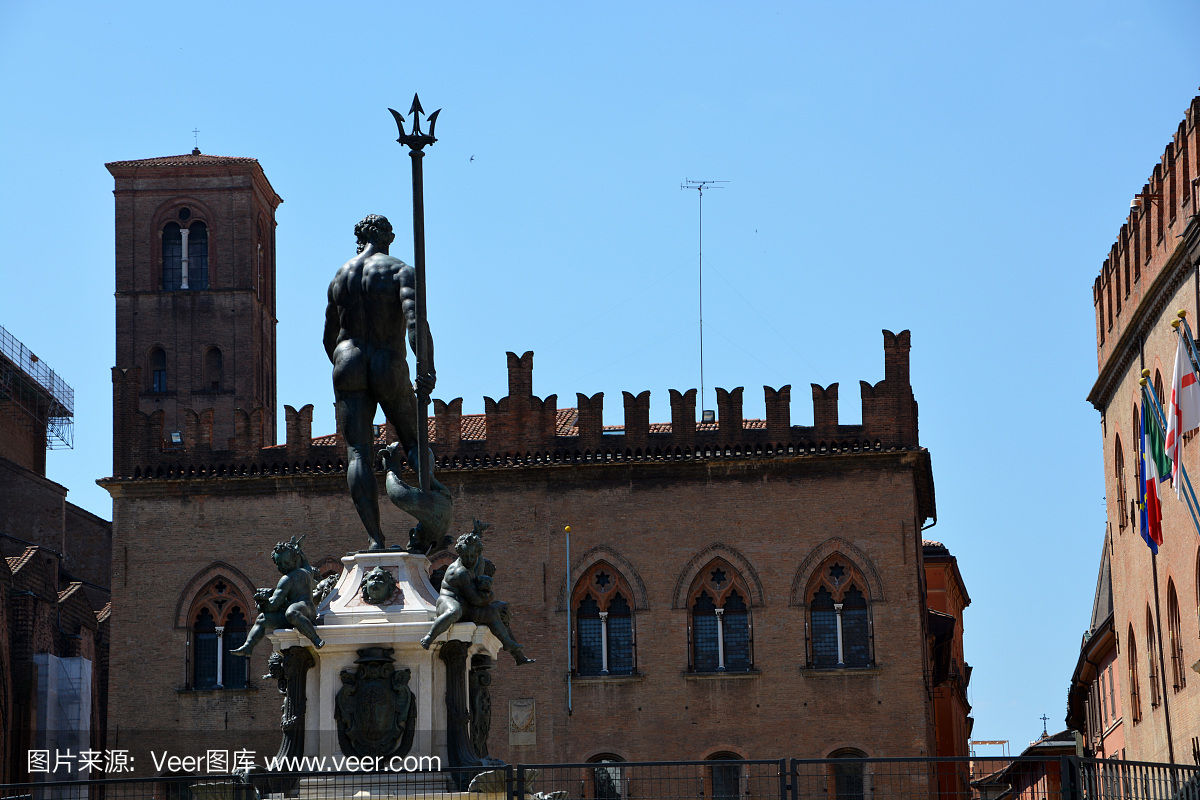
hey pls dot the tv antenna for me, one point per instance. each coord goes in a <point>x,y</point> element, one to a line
<point>705,414</point>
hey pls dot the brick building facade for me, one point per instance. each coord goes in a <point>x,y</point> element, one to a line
<point>1151,272</point>
<point>54,579</point>
<point>740,588</point>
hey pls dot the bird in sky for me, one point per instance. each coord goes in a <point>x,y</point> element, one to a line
<point>472,158</point>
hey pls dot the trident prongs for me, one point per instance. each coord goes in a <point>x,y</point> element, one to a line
<point>417,139</point>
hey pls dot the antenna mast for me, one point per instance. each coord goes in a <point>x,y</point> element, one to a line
<point>700,186</point>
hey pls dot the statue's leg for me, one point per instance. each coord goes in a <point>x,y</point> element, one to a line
<point>258,630</point>
<point>298,618</point>
<point>442,624</point>
<point>394,391</point>
<point>356,414</point>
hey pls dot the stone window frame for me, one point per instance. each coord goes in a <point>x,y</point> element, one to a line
<point>191,600</point>
<point>586,586</point>
<point>852,577</point>
<point>720,594</point>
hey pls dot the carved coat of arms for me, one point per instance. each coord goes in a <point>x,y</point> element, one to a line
<point>375,710</point>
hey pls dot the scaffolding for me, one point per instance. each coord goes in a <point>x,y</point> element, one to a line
<point>33,395</point>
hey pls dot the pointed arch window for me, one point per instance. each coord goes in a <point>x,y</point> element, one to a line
<point>604,640</point>
<point>1119,466</point>
<point>720,631</point>
<point>839,617</point>
<point>1178,668</point>
<point>219,623</point>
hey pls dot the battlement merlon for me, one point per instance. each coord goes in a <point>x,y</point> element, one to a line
<point>522,425</point>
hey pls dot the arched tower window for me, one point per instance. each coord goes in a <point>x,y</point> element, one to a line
<point>198,255</point>
<point>720,630</point>
<point>839,624</point>
<point>1119,466</point>
<point>1158,390</point>
<point>158,370</point>
<point>213,369</point>
<point>219,623</point>
<point>1152,659</point>
<point>1135,693</point>
<point>602,603</point>
<point>1178,668</point>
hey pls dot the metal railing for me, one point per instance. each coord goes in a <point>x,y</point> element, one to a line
<point>1001,778</point>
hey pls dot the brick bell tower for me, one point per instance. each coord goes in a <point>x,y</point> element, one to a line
<point>195,293</point>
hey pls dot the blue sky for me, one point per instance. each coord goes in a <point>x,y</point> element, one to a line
<point>956,169</point>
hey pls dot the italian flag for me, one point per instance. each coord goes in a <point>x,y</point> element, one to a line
<point>1155,467</point>
<point>1183,414</point>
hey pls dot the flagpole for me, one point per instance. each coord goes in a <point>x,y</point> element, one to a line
<point>1189,494</point>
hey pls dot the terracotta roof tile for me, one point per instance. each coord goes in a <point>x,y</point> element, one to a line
<point>185,160</point>
<point>16,562</point>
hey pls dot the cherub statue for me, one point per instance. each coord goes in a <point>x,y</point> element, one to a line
<point>290,605</point>
<point>466,596</point>
<point>377,586</point>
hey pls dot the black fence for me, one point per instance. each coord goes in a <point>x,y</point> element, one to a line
<point>1062,778</point>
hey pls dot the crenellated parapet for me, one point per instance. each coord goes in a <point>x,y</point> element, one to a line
<point>1148,241</point>
<point>522,428</point>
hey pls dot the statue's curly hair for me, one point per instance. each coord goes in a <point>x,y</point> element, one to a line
<point>376,229</point>
<point>467,539</point>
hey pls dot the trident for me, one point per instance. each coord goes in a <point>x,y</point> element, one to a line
<point>416,143</point>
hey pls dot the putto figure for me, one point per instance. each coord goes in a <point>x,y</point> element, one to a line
<point>291,604</point>
<point>372,307</point>
<point>466,596</point>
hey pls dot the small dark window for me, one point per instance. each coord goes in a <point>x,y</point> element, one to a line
<point>198,256</point>
<point>172,258</point>
<point>607,781</point>
<point>620,637</point>
<point>848,777</point>
<point>736,624</point>
<point>158,370</point>
<point>213,368</point>
<point>854,629</point>
<point>185,213</point>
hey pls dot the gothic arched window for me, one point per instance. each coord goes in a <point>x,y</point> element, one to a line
<point>719,611</point>
<point>839,617</point>
<point>603,622</point>
<point>219,623</point>
<point>1119,466</point>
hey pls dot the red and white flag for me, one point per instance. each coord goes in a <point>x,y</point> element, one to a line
<point>1184,412</point>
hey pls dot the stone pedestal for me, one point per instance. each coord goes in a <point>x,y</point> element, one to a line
<point>350,624</point>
